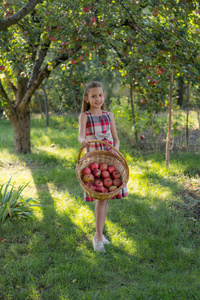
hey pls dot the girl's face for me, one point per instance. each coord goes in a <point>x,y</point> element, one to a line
<point>95,97</point>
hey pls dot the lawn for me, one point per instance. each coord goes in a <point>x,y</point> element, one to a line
<point>154,233</point>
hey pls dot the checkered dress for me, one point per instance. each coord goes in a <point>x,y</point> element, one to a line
<point>102,125</point>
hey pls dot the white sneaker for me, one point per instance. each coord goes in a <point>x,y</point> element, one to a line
<point>98,245</point>
<point>105,241</point>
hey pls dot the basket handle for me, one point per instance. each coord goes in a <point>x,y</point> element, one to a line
<point>107,144</point>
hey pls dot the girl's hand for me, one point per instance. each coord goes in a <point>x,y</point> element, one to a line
<point>113,151</point>
<point>85,143</point>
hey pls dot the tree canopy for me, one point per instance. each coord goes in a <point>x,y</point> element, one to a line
<point>141,40</point>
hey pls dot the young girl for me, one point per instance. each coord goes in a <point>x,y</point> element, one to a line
<point>96,123</point>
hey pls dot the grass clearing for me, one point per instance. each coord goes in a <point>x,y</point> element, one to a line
<point>154,251</point>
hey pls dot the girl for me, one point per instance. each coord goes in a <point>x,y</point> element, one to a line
<point>96,123</point>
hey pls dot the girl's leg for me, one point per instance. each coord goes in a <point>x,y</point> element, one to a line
<point>101,209</point>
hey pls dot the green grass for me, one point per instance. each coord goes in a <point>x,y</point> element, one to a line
<point>154,250</point>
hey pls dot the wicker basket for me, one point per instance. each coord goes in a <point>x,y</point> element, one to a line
<point>102,156</point>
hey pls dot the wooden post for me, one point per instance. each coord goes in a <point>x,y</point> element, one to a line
<point>187,116</point>
<point>169,118</point>
<point>133,113</point>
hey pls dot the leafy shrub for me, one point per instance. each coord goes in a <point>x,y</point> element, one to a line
<point>13,205</point>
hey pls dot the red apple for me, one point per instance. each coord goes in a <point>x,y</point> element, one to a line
<point>98,182</point>
<point>87,8</point>
<point>88,178</point>
<point>142,137</point>
<point>93,166</point>
<point>107,182</point>
<point>52,39</point>
<point>93,187</point>
<point>117,182</point>
<point>111,169</point>
<point>155,82</point>
<point>86,170</point>
<point>102,23</point>
<point>93,19</point>
<point>96,173</point>
<point>143,101</point>
<point>88,184</point>
<point>73,62</point>
<point>101,189</point>
<point>163,69</point>
<point>2,68</point>
<point>116,174</point>
<point>112,188</point>
<point>80,58</point>
<point>155,13</point>
<point>159,72</point>
<point>105,174</point>
<point>103,167</point>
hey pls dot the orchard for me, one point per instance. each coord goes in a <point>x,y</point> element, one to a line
<point>147,49</point>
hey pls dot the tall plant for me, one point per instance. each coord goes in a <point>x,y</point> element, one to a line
<point>13,205</point>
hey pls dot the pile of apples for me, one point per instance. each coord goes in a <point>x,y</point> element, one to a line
<point>101,177</point>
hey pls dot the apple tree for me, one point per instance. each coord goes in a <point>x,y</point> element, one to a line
<point>30,51</point>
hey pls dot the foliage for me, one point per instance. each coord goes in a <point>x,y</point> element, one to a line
<point>138,42</point>
<point>13,205</point>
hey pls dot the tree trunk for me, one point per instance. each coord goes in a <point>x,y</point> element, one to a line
<point>46,106</point>
<point>21,127</point>
<point>181,90</point>
<point>169,120</point>
<point>39,104</point>
<point>187,116</point>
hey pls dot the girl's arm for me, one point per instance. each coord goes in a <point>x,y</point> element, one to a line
<point>114,132</point>
<point>82,130</point>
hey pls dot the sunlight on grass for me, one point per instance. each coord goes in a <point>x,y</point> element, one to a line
<point>83,217</point>
<point>80,215</point>
<point>120,239</point>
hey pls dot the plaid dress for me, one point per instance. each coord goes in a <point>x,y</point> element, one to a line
<point>95,127</point>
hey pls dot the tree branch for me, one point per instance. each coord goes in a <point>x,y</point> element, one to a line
<point>25,10</point>
<point>44,73</point>
<point>4,95</point>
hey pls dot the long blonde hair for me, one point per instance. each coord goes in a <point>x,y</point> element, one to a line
<point>88,86</point>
